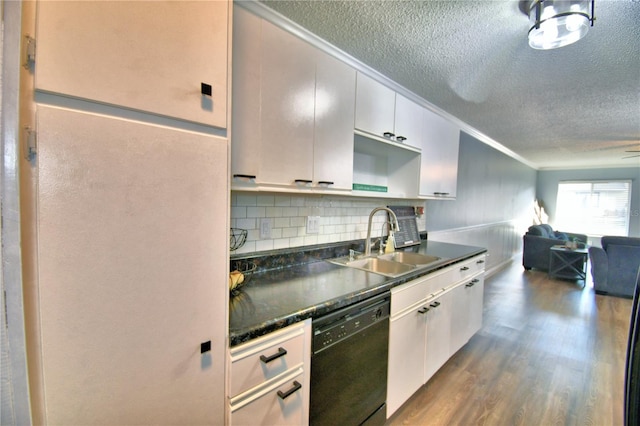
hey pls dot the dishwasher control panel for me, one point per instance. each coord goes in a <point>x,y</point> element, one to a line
<point>339,325</point>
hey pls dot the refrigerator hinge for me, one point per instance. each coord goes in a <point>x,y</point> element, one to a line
<point>31,143</point>
<point>29,52</point>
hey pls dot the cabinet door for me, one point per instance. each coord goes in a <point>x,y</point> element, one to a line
<point>287,107</point>
<point>334,118</point>
<point>439,163</point>
<point>407,337</point>
<point>468,304</point>
<point>132,249</point>
<point>460,320</point>
<point>474,292</point>
<point>246,136</point>
<point>375,106</point>
<point>409,118</point>
<point>439,329</point>
<point>148,56</point>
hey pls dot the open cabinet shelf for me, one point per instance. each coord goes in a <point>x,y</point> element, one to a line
<point>384,168</point>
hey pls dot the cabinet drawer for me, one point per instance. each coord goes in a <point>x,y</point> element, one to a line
<point>278,403</point>
<point>265,358</point>
<point>466,269</point>
<point>407,294</point>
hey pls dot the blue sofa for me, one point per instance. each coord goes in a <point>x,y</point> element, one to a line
<point>614,267</point>
<point>539,239</point>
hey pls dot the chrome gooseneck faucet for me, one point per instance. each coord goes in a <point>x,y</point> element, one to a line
<point>394,225</point>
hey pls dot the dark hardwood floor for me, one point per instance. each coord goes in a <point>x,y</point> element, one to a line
<point>549,353</point>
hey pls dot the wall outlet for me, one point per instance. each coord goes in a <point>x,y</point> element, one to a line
<point>313,224</point>
<point>265,228</point>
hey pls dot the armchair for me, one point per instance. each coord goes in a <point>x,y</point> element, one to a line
<point>537,242</point>
<point>614,267</point>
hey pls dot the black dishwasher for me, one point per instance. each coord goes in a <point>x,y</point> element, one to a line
<point>349,365</point>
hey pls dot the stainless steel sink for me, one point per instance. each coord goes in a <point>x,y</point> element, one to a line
<point>391,265</point>
<point>380,266</point>
<point>410,258</point>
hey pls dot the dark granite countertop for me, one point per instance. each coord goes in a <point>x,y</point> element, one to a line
<point>276,298</point>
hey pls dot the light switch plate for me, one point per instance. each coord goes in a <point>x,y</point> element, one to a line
<point>313,224</point>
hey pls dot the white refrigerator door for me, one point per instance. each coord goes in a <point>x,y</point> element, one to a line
<point>132,261</point>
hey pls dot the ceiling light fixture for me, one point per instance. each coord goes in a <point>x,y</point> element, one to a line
<point>557,23</point>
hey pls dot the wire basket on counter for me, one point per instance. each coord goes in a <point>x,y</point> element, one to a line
<point>241,275</point>
<point>237,238</point>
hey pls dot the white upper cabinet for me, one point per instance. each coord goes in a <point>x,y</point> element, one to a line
<point>334,115</point>
<point>439,163</point>
<point>382,112</point>
<point>246,134</point>
<point>287,108</point>
<point>381,164</point>
<point>293,108</point>
<point>375,107</point>
<point>408,127</point>
<point>167,58</point>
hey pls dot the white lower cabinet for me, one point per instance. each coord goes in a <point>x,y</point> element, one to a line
<point>280,403</point>
<point>467,297</point>
<point>407,342</point>
<point>432,317</point>
<point>270,377</point>
<point>440,329</point>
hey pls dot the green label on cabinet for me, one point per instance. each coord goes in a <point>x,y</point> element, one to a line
<point>372,188</point>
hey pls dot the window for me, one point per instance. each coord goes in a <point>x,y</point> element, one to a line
<point>594,208</point>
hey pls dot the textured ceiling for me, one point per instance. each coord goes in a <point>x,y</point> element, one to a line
<point>572,107</point>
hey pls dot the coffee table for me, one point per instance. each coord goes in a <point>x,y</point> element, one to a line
<point>568,263</point>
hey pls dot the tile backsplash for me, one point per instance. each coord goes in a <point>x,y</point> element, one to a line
<point>284,218</point>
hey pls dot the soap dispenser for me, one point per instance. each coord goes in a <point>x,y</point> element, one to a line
<point>391,243</point>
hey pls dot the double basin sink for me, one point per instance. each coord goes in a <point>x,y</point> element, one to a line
<point>390,264</point>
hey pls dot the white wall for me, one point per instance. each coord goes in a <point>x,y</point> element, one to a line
<point>494,206</point>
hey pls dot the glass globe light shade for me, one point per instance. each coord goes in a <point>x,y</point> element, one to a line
<point>557,23</point>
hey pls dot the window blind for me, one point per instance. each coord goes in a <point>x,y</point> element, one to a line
<point>595,208</point>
